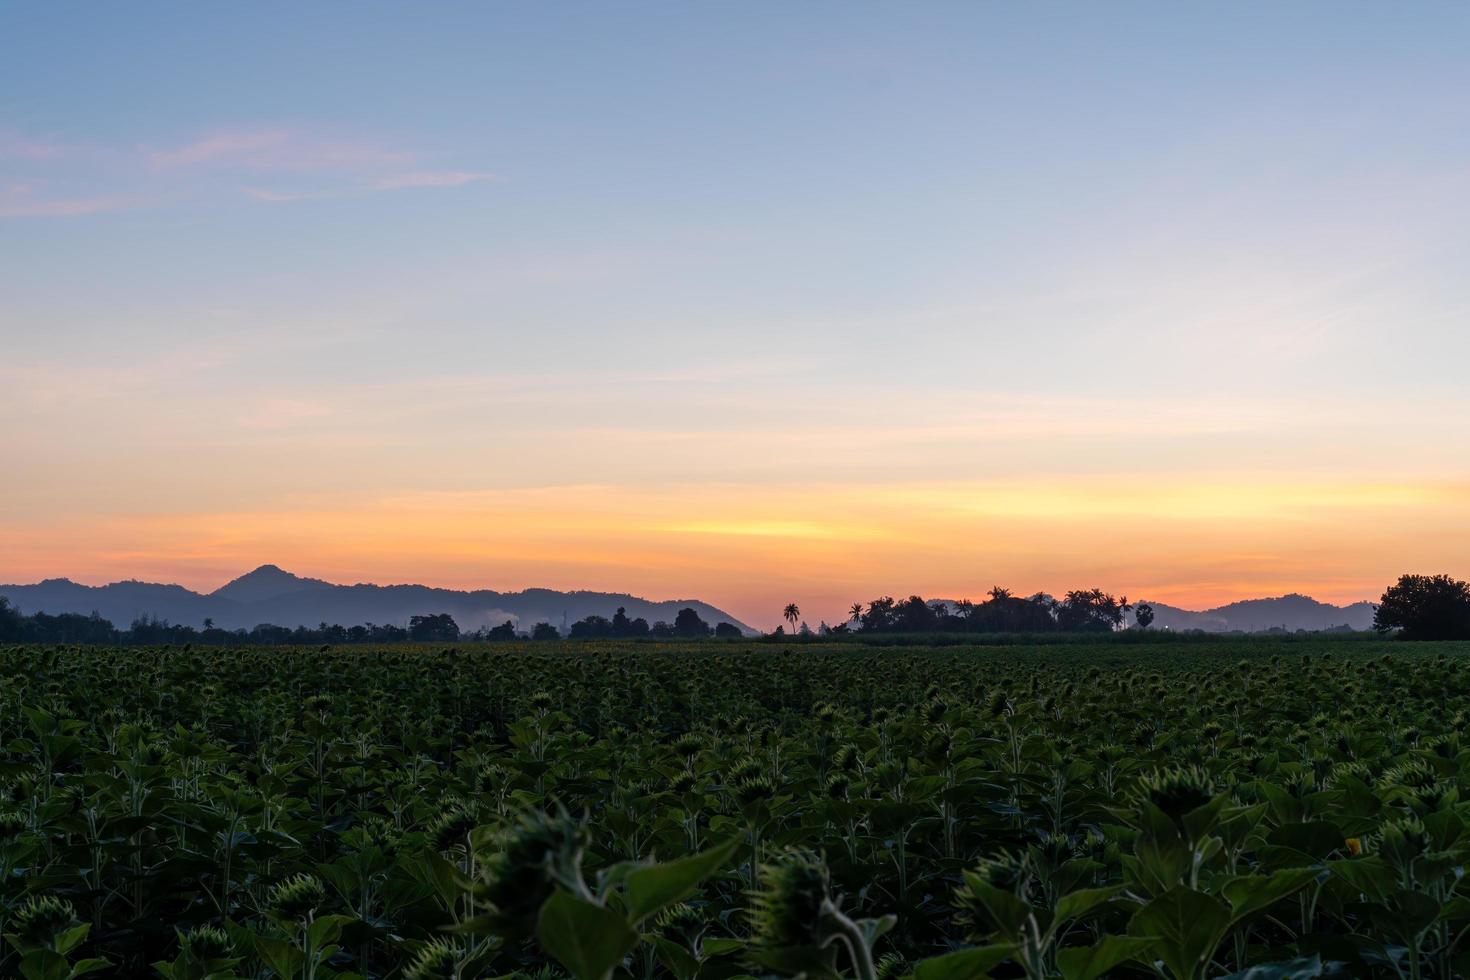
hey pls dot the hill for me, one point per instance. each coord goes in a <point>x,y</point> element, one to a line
<point>272,595</point>
<point>1291,612</point>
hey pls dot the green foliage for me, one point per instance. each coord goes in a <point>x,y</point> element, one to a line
<point>611,811</point>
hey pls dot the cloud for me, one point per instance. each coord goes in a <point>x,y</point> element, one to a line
<point>447,178</point>
<point>214,163</point>
<point>30,201</point>
<point>450,178</point>
<point>280,197</point>
<point>15,146</point>
<point>283,413</point>
<point>276,151</point>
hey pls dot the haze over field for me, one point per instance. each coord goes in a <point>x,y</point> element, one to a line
<point>702,301</point>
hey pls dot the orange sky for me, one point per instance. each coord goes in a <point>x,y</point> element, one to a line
<point>749,550</point>
<point>741,486</point>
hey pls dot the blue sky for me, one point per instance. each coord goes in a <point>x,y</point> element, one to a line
<point>803,249</point>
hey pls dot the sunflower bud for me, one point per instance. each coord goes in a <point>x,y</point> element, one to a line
<point>40,922</point>
<point>1178,792</point>
<point>438,959</point>
<point>689,744</point>
<point>206,943</point>
<point>297,897</point>
<point>681,920</point>
<point>786,909</point>
<point>893,966</point>
<point>754,790</point>
<point>1005,871</point>
<point>744,769</point>
<point>1402,840</point>
<point>12,824</point>
<point>452,827</point>
<point>525,861</point>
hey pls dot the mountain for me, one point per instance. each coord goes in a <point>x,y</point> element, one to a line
<point>266,582</point>
<point>272,595</point>
<point>1291,612</point>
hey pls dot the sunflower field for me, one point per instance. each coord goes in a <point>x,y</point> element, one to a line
<point>1247,808</point>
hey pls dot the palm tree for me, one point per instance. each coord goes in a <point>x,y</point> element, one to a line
<point>856,611</point>
<point>791,613</point>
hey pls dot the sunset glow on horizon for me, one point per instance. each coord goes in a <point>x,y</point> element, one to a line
<point>680,304</point>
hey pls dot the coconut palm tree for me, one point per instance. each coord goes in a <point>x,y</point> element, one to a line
<point>791,613</point>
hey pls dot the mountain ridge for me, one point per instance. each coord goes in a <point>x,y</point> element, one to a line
<point>1292,611</point>
<point>270,594</point>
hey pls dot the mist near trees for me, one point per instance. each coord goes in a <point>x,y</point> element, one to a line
<point>15,627</point>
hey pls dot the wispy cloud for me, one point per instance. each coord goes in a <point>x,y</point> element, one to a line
<point>279,197</point>
<point>33,201</point>
<point>396,182</point>
<point>267,160</point>
<point>16,146</point>
<point>445,178</point>
<point>282,413</point>
<point>277,151</point>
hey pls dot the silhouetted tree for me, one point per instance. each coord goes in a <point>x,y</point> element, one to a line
<point>727,630</point>
<point>1143,615</point>
<point>791,613</point>
<point>620,622</point>
<point>1089,611</point>
<point>1425,607</point>
<point>12,623</point>
<point>591,628</point>
<point>687,623</point>
<point>545,631</point>
<point>437,628</point>
<point>915,615</point>
<point>880,616</point>
<point>505,631</point>
<point>623,626</point>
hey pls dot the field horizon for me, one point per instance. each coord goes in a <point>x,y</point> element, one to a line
<point>270,594</point>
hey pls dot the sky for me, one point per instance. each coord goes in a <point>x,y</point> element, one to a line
<point>756,303</point>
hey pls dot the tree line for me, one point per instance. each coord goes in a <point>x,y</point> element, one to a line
<point>1417,607</point>
<point>76,628</point>
<point>1079,611</point>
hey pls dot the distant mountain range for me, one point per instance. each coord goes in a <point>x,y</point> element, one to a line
<point>1290,612</point>
<point>273,595</point>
